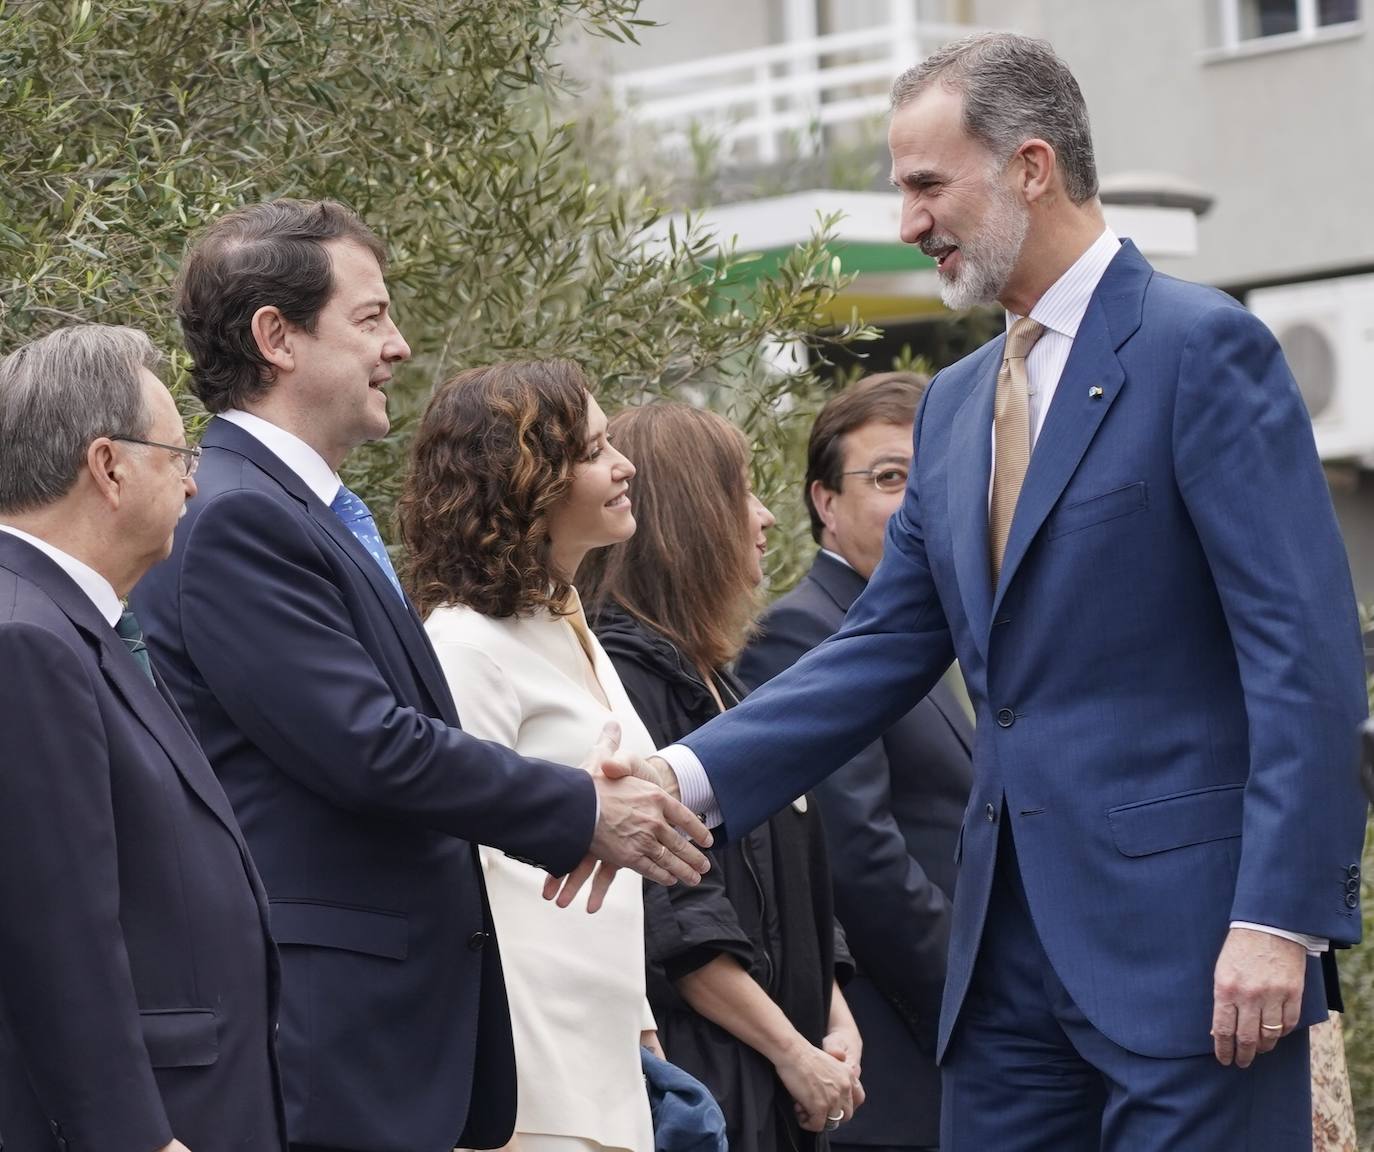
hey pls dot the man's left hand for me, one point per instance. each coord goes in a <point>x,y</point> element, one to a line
<point>1256,994</point>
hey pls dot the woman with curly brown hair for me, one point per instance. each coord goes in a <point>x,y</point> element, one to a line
<point>513,481</point>
<point>743,966</point>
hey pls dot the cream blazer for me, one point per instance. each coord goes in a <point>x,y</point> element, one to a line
<point>575,982</point>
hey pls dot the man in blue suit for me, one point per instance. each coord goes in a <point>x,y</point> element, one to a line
<point>1117,520</point>
<point>285,635</point>
<point>138,983</point>
<point>892,814</point>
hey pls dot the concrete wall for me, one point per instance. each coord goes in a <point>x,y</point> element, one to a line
<point>691,30</point>
<point>1283,139</point>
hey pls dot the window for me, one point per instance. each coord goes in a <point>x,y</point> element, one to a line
<point>1248,21</point>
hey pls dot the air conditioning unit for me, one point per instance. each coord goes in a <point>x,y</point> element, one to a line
<point>1326,330</point>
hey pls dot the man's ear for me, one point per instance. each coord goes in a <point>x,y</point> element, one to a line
<point>1038,169</point>
<point>823,500</point>
<point>273,335</point>
<point>107,469</point>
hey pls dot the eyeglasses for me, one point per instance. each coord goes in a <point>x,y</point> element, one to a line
<point>190,457</point>
<point>887,478</point>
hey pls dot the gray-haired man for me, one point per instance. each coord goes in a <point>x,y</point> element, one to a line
<point>137,977</point>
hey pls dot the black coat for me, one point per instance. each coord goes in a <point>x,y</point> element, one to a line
<point>892,817</point>
<point>766,902</point>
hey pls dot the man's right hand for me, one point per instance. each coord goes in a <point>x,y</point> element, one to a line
<point>639,826</point>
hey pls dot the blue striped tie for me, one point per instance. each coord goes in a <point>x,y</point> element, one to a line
<point>129,631</point>
<point>349,507</point>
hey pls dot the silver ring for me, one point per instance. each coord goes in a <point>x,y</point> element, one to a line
<point>833,1122</point>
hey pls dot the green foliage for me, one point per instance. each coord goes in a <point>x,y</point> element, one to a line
<point>127,125</point>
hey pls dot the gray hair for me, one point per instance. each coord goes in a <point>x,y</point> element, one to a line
<point>1014,89</point>
<point>59,393</point>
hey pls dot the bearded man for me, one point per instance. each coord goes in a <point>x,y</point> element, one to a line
<point>1117,520</point>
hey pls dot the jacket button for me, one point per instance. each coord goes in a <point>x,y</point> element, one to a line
<point>477,941</point>
<point>1352,885</point>
<point>1006,717</point>
<point>991,813</point>
<point>1351,900</point>
<point>1353,871</point>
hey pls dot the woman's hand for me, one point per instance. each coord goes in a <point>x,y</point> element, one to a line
<point>844,1043</point>
<point>819,1084</point>
<point>649,1039</point>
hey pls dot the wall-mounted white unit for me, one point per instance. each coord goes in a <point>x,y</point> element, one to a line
<point>1326,329</point>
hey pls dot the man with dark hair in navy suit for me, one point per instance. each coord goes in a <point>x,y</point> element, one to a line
<point>138,983</point>
<point>892,814</point>
<point>296,656</point>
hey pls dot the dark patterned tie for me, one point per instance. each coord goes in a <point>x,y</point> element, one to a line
<point>356,517</point>
<point>132,635</point>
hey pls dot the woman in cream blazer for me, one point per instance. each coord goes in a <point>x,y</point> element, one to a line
<point>512,482</point>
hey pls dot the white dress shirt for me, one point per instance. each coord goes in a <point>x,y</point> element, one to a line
<point>291,450</point>
<point>91,582</point>
<point>575,982</point>
<point>1061,310</point>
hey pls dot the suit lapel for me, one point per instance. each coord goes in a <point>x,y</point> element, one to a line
<point>842,585</point>
<point>838,581</point>
<point>402,615</point>
<point>970,466</point>
<point>161,720</point>
<point>165,725</point>
<point>1078,408</point>
<point>223,434</point>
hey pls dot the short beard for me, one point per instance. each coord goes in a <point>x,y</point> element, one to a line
<point>986,261</point>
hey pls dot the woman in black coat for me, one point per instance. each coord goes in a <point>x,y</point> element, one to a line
<point>742,967</point>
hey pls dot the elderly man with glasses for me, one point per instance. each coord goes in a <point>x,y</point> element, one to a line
<point>137,976</point>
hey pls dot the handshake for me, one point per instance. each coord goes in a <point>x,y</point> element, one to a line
<point>640,825</point>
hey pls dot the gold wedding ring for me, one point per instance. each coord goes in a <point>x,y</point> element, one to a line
<point>1272,1027</point>
<point>662,848</point>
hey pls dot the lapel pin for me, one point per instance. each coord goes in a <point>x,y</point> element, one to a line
<point>1095,392</point>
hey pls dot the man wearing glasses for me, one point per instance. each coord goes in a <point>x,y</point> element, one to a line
<point>892,814</point>
<point>137,978</point>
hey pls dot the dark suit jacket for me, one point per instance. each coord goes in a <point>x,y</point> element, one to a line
<point>1167,674</point>
<point>137,980</point>
<point>892,817</point>
<point>323,709</point>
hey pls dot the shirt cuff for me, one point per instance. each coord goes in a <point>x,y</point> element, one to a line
<point>1315,945</point>
<point>693,785</point>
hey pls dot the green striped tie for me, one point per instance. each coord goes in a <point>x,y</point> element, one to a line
<point>132,635</point>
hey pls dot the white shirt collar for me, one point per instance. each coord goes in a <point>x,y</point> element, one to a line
<point>91,582</point>
<point>1062,307</point>
<point>838,557</point>
<point>291,450</point>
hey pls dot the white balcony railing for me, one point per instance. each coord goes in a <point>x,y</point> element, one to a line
<point>754,103</point>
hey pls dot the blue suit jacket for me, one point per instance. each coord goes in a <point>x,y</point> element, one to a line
<point>320,703</point>
<point>892,817</point>
<point>1167,676</point>
<point>138,984</point>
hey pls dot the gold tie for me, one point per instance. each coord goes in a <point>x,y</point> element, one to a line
<point>1011,434</point>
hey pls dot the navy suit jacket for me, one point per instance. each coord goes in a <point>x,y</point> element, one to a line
<point>892,817</point>
<point>137,979</point>
<point>320,703</point>
<point>1166,676</point>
